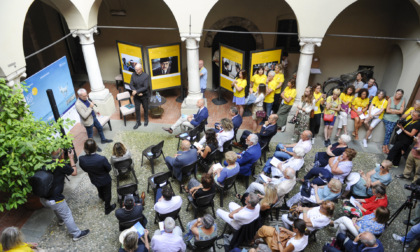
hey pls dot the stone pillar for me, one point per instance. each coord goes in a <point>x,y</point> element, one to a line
<point>99,94</point>
<point>305,61</point>
<point>194,92</point>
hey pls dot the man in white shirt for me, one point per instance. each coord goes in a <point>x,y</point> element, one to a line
<point>284,151</point>
<point>240,216</point>
<point>165,202</point>
<point>296,162</point>
<point>169,240</point>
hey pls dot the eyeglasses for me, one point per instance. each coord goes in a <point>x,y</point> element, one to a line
<point>381,166</point>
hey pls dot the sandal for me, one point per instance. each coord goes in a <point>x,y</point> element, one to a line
<point>238,196</point>
<point>185,188</point>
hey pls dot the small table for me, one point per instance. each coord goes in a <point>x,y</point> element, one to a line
<point>155,108</point>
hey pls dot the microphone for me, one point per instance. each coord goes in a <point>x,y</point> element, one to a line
<point>92,102</point>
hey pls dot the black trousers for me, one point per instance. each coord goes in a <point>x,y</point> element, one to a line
<point>276,104</point>
<point>394,154</point>
<point>315,123</point>
<point>104,193</point>
<point>145,102</point>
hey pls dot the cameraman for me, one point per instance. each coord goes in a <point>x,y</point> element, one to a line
<point>405,135</point>
<point>412,163</point>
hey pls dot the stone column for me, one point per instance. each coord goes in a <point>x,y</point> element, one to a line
<point>305,61</point>
<point>99,94</point>
<point>194,92</point>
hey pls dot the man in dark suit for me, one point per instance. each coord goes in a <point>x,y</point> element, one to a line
<point>365,241</point>
<point>98,168</point>
<point>130,211</point>
<point>140,85</point>
<point>268,130</point>
<point>186,122</point>
<point>165,67</point>
<point>184,157</point>
<point>236,120</point>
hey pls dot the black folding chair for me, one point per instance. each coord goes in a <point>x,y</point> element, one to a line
<point>155,151</point>
<point>209,160</point>
<point>264,149</point>
<point>174,215</point>
<point>155,181</point>
<point>202,203</point>
<point>203,245</point>
<point>124,190</point>
<point>186,172</point>
<point>192,135</point>
<point>123,168</point>
<point>128,224</point>
<point>228,183</point>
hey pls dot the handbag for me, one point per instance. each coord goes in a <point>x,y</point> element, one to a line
<point>328,117</point>
<point>294,120</point>
<point>312,114</point>
<point>261,114</point>
<point>293,213</point>
<point>306,188</point>
<point>345,107</point>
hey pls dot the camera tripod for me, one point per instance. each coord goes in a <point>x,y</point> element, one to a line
<point>410,203</point>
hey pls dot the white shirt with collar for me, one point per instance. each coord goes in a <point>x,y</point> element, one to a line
<point>167,206</point>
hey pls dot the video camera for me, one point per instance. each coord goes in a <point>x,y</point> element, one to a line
<point>401,121</point>
<point>414,188</point>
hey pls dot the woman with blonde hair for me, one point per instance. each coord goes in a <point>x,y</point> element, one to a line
<point>120,153</point>
<point>303,113</point>
<point>232,168</point>
<point>319,194</point>
<point>288,95</point>
<point>267,199</point>
<point>331,110</point>
<point>12,240</point>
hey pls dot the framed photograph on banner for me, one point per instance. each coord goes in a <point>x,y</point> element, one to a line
<point>267,59</point>
<point>231,62</point>
<point>129,56</point>
<point>165,65</point>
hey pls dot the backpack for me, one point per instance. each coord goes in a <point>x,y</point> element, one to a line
<point>42,183</point>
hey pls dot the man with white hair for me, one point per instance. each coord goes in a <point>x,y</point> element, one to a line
<point>139,84</point>
<point>168,240</point>
<point>239,216</point>
<point>186,122</point>
<point>249,156</point>
<point>87,111</point>
<point>365,241</point>
<point>285,151</point>
<point>296,162</point>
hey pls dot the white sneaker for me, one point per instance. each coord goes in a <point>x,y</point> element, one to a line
<point>370,136</point>
<point>313,140</point>
<point>365,143</point>
<point>399,238</point>
<point>283,128</point>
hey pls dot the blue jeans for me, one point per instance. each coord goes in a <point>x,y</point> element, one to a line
<point>98,126</point>
<point>158,194</point>
<point>202,91</point>
<point>268,108</point>
<point>319,180</point>
<point>389,128</point>
<point>413,234</point>
<point>280,154</point>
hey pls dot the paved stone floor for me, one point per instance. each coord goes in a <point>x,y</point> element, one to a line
<point>88,210</point>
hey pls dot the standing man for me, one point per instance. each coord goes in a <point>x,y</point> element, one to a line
<point>98,168</point>
<point>140,85</point>
<point>203,76</point>
<point>87,111</point>
<point>57,202</point>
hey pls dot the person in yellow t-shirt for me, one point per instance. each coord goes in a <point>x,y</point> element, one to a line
<point>315,122</point>
<point>271,84</point>
<point>12,241</point>
<point>346,98</point>
<point>279,77</point>
<point>239,85</point>
<point>332,108</point>
<point>359,106</point>
<point>257,79</point>
<point>288,95</point>
<point>375,114</point>
<point>408,114</point>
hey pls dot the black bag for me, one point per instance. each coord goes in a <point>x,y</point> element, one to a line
<point>41,183</point>
<point>305,191</point>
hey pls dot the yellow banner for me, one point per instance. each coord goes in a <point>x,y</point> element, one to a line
<point>165,66</point>
<point>130,55</point>
<point>231,62</point>
<point>267,59</point>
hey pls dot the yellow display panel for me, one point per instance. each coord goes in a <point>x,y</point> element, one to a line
<point>165,66</point>
<point>267,59</point>
<point>130,55</point>
<point>231,62</point>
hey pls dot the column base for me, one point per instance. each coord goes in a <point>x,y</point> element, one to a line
<point>189,105</point>
<point>106,106</point>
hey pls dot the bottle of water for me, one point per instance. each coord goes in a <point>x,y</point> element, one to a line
<point>158,96</point>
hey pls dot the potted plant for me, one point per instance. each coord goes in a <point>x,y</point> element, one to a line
<point>25,145</point>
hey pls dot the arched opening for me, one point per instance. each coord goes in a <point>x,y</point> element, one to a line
<point>244,42</point>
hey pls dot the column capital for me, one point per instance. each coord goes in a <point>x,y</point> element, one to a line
<point>14,78</point>
<point>308,44</point>
<point>86,36</point>
<point>185,36</point>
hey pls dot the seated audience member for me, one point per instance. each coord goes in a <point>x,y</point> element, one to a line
<point>184,157</point>
<point>369,205</point>
<point>239,216</point>
<point>338,168</point>
<point>231,169</point>
<point>168,240</point>
<point>408,114</point>
<point>211,145</point>
<point>166,202</point>
<point>196,189</point>
<point>284,152</point>
<point>375,114</point>
<point>365,241</point>
<point>268,199</point>
<point>187,122</point>
<point>283,185</point>
<point>268,130</point>
<point>374,223</point>
<point>202,229</point>
<point>130,210</point>
<point>236,120</point>
<point>120,153</point>
<point>379,175</point>
<point>334,150</point>
<point>405,136</point>
<point>296,162</point>
<point>12,240</point>
<point>249,156</point>
<point>132,243</point>
<point>319,194</point>
<point>297,242</point>
<point>224,135</point>
<point>413,234</point>
<point>315,217</point>
<point>412,163</point>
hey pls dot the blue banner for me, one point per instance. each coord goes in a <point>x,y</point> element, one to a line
<point>56,77</point>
